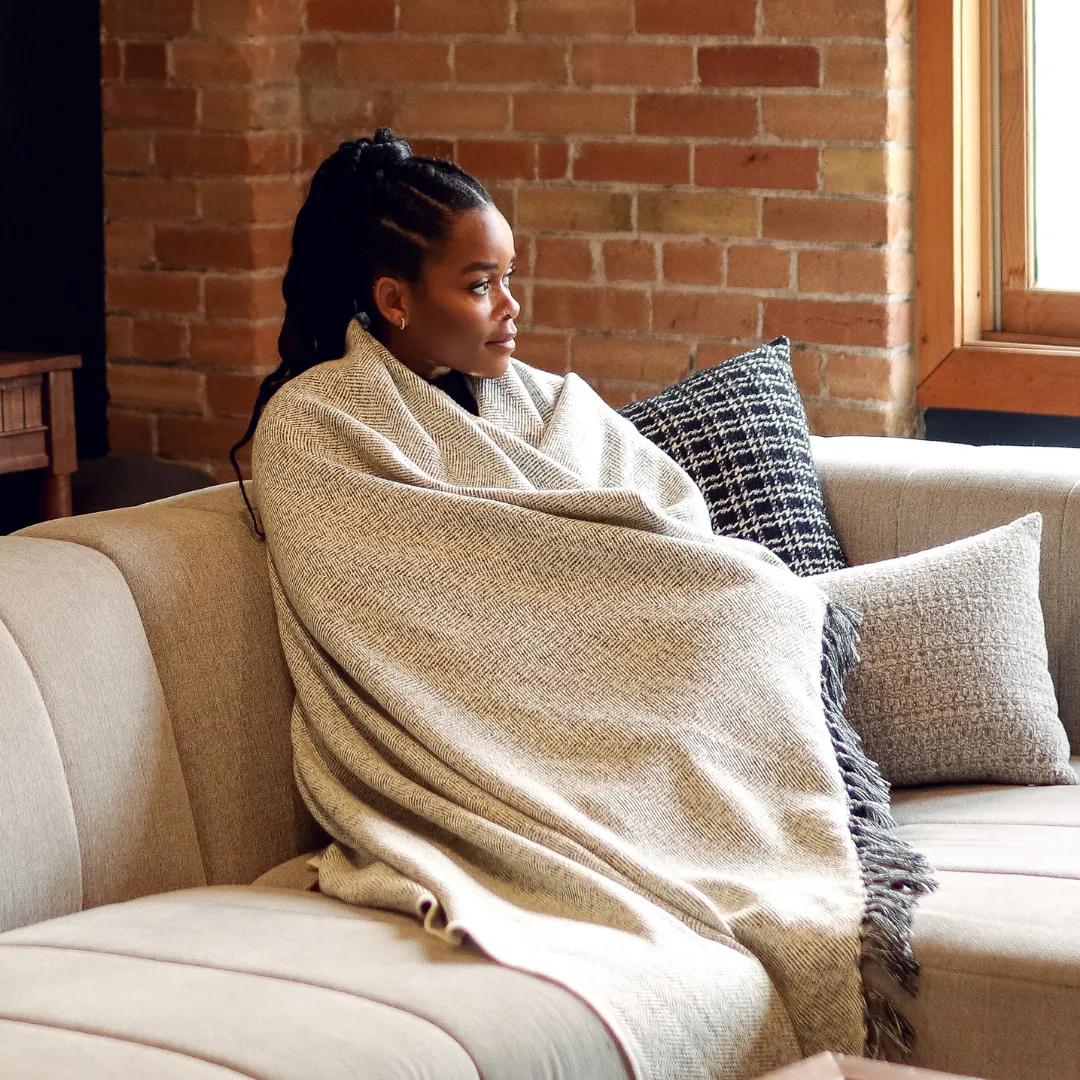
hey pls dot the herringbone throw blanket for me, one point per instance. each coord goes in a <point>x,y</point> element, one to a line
<point>539,704</point>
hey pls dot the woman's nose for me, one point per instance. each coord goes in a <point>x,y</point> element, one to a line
<point>510,306</point>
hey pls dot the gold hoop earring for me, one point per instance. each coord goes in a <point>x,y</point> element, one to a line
<point>403,323</point>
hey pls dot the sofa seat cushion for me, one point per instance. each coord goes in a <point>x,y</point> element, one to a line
<point>282,984</point>
<point>999,941</point>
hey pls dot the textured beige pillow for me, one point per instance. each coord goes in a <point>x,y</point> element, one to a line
<point>953,683</point>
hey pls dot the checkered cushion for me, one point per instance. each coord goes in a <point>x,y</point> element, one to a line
<point>739,429</point>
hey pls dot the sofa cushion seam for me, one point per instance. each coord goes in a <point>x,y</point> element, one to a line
<point>111,1037</point>
<point>253,975</point>
<point>60,755</point>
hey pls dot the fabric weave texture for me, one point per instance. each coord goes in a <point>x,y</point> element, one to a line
<point>740,430</point>
<point>953,683</point>
<point>541,706</point>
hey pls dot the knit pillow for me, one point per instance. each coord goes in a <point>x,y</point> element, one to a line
<point>953,683</point>
<point>739,429</point>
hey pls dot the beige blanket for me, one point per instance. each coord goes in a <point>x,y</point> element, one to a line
<point>540,705</point>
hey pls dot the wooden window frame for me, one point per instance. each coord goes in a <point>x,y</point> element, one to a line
<point>961,365</point>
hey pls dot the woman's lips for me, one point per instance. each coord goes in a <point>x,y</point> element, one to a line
<point>505,343</point>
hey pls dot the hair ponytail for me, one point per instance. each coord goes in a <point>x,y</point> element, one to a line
<point>373,208</point>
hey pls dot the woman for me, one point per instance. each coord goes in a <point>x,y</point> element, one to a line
<point>412,247</point>
<point>538,704</point>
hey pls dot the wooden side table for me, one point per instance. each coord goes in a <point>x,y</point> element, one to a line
<point>37,422</point>
<point>841,1067</point>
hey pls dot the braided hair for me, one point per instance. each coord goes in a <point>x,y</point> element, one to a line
<point>374,209</point>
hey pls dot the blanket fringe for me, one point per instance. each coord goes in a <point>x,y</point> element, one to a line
<point>894,875</point>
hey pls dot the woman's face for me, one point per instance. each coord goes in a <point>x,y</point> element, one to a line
<point>461,314</point>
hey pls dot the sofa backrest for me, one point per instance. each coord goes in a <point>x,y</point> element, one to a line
<point>145,704</point>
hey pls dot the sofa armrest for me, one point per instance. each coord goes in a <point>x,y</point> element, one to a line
<point>890,497</point>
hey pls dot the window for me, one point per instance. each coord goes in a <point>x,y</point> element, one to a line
<point>999,205</point>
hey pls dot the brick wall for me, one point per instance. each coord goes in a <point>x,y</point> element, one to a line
<point>684,178</point>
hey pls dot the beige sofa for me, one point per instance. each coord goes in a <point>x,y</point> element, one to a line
<point>145,784</point>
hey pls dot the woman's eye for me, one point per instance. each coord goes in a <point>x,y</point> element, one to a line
<point>481,287</point>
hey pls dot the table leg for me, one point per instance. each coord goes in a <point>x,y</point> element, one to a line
<point>56,496</point>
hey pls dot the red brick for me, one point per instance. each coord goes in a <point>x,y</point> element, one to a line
<point>708,354</point>
<point>856,67</point>
<point>591,308</point>
<point>248,108</point>
<point>831,117</point>
<point>317,60</point>
<point>806,367</point>
<point>759,65</point>
<point>696,115</point>
<point>155,339</point>
<point>572,18</point>
<point>156,387</point>
<point>791,168</point>
<point>829,418</point>
<point>235,345</point>
<point>509,63</point>
<point>241,296</point>
<point>126,151</point>
<point>148,106</point>
<point>152,290</point>
<point>552,159</point>
<point>118,330</point>
<point>751,267</point>
<point>712,213</point>
<point>439,148</point>
<point>257,18</point>
<point>693,262</point>
<point>844,271</point>
<point>876,378</point>
<point>136,18</point>
<point>629,359</point>
<point>711,313</point>
<point>619,63</point>
<point>345,109</point>
<point>393,62</point>
<point>203,62</point>
<point>635,162</point>
<point>543,350</point>
<point>149,198</point>
<point>232,394</point>
<point>263,201</point>
<point>696,16</point>
<point>144,60</point>
<point>571,112</point>
<point>439,17</point>
<point>629,260</point>
<point>615,394</point>
<point>198,437</point>
<point>498,159</point>
<point>826,18</point>
<point>110,60</point>
<point>212,154</point>
<point>573,209</point>
<point>862,221</point>
<point>350,17</point>
<point>223,248</point>
<point>835,322</point>
<point>131,432</point>
<point>558,257</point>
<point>128,243</point>
<point>456,111</point>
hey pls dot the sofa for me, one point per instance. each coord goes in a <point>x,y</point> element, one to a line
<point>155,902</point>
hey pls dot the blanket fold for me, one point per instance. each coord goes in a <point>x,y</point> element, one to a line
<point>540,706</point>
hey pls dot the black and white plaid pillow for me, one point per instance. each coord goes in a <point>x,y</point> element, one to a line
<point>739,429</point>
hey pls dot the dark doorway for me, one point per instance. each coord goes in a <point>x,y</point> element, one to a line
<point>52,296</point>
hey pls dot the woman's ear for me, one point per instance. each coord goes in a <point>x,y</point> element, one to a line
<point>392,301</point>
